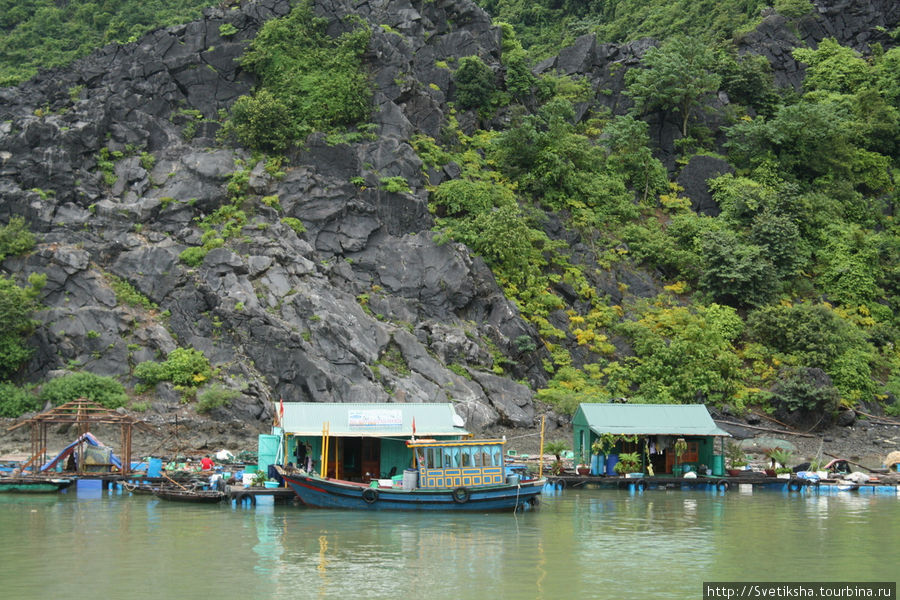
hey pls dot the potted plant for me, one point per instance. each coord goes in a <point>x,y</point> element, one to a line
<point>259,479</point>
<point>736,460</point>
<point>629,464</point>
<point>780,459</point>
<point>556,449</point>
<point>817,465</point>
<point>680,449</point>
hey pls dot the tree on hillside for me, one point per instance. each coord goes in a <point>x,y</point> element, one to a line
<point>16,306</point>
<point>678,75</point>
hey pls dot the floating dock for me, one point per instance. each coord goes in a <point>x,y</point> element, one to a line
<point>721,484</point>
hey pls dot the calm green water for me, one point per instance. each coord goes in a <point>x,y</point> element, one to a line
<point>578,544</point>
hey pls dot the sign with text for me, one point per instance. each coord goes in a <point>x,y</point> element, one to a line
<point>375,418</point>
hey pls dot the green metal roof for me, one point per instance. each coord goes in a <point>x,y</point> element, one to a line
<point>650,419</point>
<point>372,419</point>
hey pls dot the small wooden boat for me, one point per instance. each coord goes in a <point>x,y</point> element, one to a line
<point>139,488</point>
<point>189,495</point>
<point>456,475</point>
<point>33,485</point>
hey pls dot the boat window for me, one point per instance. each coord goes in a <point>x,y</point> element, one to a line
<point>476,456</point>
<point>496,456</point>
<point>454,460</point>
<point>434,458</point>
<point>420,457</point>
<point>447,460</point>
<point>466,457</point>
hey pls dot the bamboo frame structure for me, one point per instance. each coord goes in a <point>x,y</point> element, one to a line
<point>84,414</point>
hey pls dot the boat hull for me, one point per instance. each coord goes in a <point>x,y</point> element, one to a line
<point>196,496</point>
<point>33,486</point>
<point>331,493</point>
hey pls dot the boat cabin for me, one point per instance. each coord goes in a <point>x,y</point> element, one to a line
<point>356,441</point>
<point>451,464</point>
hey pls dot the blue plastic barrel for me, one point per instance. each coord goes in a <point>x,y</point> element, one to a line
<point>611,460</point>
<point>596,468</point>
<point>155,468</point>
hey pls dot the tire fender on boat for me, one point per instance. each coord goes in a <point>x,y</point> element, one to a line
<point>794,486</point>
<point>370,495</point>
<point>721,485</point>
<point>460,495</point>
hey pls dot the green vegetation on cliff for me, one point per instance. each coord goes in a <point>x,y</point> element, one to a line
<point>36,34</point>
<point>308,81</point>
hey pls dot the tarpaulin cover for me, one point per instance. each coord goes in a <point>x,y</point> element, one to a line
<point>90,439</point>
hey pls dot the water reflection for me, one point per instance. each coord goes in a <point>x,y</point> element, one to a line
<point>590,543</point>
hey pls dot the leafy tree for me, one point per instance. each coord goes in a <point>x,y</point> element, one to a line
<point>16,307</point>
<point>812,139</point>
<point>262,121</point>
<point>486,216</point>
<point>735,272</point>
<point>794,8</point>
<point>779,236</point>
<point>15,238</point>
<point>833,68</point>
<point>308,80</point>
<point>806,334</point>
<point>475,83</point>
<point>887,76</point>
<point>748,80</point>
<point>684,355</point>
<point>805,394</point>
<point>677,77</point>
<point>102,390</point>
<point>849,265</point>
<point>215,396</point>
<point>519,80</point>
<point>15,401</point>
<point>628,145</point>
<point>186,367</point>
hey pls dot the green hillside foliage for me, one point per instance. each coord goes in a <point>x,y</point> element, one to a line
<point>797,274</point>
<point>103,390</point>
<point>38,34</point>
<point>544,26</point>
<point>17,304</point>
<point>308,81</point>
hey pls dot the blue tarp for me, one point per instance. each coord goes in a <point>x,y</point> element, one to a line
<point>90,439</point>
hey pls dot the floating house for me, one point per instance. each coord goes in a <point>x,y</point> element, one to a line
<point>362,441</point>
<point>651,430</point>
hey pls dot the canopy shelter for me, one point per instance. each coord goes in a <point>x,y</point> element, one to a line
<point>652,430</point>
<point>86,416</point>
<point>363,440</point>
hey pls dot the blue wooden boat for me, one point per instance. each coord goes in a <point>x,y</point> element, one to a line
<point>457,475</point>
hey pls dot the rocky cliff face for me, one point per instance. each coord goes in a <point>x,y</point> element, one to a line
<point>113,161</point>
<point>363,306</point>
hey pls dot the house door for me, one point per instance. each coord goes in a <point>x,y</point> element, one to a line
<point>371,459</point>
